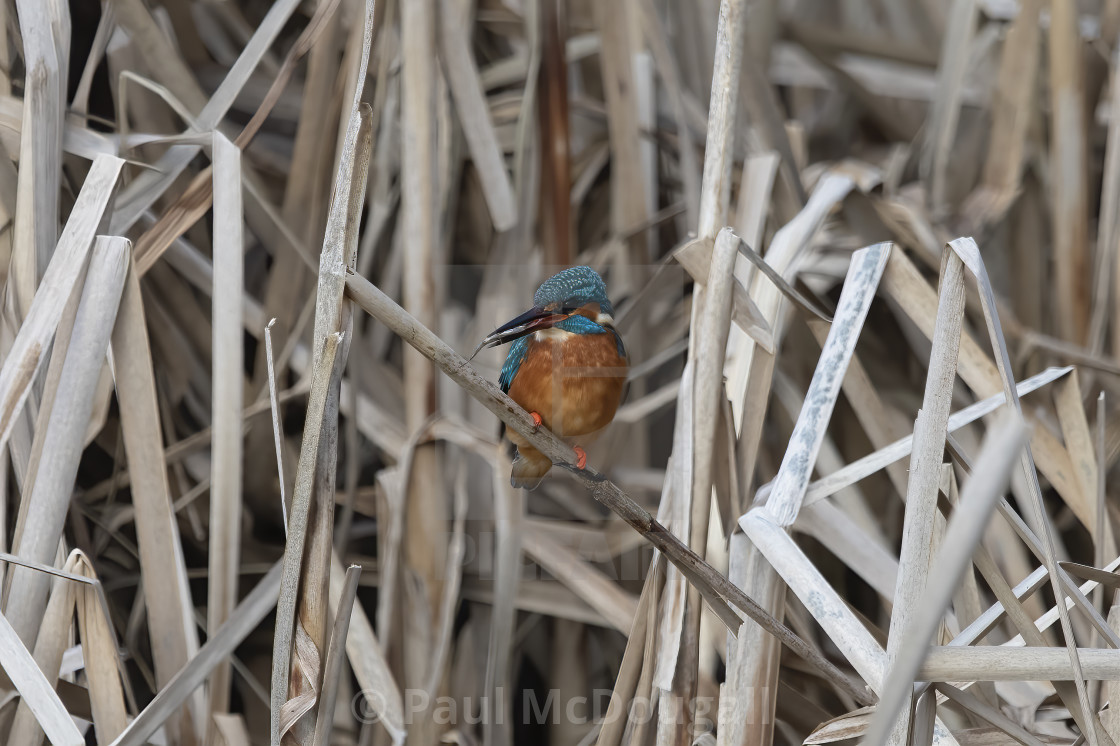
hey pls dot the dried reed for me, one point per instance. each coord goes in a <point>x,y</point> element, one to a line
<point>862,255</point>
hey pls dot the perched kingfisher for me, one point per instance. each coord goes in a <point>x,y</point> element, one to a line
<point>567,366</point>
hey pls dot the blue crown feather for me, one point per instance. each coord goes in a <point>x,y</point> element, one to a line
<point>575,286</point>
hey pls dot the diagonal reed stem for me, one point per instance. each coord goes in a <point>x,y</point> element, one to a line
<point>717,590</point>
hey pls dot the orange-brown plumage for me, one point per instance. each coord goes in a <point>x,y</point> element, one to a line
<point>574,382</point>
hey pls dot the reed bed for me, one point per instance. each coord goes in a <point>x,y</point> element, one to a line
<point>862,487</point>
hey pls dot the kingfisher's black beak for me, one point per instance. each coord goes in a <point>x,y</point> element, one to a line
<point>525,324</point>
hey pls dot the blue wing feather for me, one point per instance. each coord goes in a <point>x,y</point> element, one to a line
<point>516,356</point>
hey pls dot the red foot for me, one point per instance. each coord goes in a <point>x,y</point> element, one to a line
<point>581,457</point>
<point>536,420</point>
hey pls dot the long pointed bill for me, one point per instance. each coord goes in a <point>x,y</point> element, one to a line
<point>527,323</point>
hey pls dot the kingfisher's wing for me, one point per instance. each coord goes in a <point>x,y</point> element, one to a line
<point>621,347</point>
<point>516,356</point>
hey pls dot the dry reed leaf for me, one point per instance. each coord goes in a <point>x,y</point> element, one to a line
<point>617,606</point>
<point>1011,116</point>
<point>616,24</point>
<point>1111,689</point>
<point>978,498</point>
<point>35,690</point>
<point>297,529</point>
<point>509,510</point>
<point>1068,156</point>
<point>842,536</point>
<point>102,662</point>
<point>105,27</point>
<point>711,323</point>
<point>822,601</point>
<point>333,668</point>
<point>666,66</point>
<point>79,141</point>
<point>37,536</point>
<point>545,597</point>
<point>1108,271</point>
<point>538,135</point>
<point>988,713</point>
<point>167,596</point>
<point>228,383</point>
<point>903,283</point>
<point>941,128</point>
<point>277,425</point>
<point>45,28</point>
<point>613,724</point>
<point>674,512</point>
<point>785,249</point>
<point>53,639</point>
<point>695,256</point>
<point>869,407</point>
<point>1036,579</point>
<point>749,372</point>
<point>231,730</point>
<point>873,462</point>
<point>788,290</point>
<point>142,192</point>
<point>305,198</point>
<point>850,725</point>
<point>158,54</point>
<point>38,327</point>
<point>470,105</point>
<point>423,512</point>
<point>381,693</point>
<point>752,659</point>
<point>967,249</point>
<point>27,457</point>
<point>1079,444</point>
<point>197,199</point>
<point>755,187</point>
<point>453,580</point>
<point>789,486</point>
<point>375,422</point>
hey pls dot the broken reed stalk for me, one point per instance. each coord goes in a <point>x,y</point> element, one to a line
<point>930,431</point>
<point>716,589</point>
<point>335,653</point>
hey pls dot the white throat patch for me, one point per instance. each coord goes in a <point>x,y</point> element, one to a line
<point>552,333</point>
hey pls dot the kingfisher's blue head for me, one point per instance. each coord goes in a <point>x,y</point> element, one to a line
<point>572,289</point>
<point>558,298</point>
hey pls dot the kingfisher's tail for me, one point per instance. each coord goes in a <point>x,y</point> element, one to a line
<point>529,467</point>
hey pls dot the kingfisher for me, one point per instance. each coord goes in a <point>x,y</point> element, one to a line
<point>567,366</point>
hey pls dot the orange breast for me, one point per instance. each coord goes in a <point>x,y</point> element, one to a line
<point>573,381</point>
